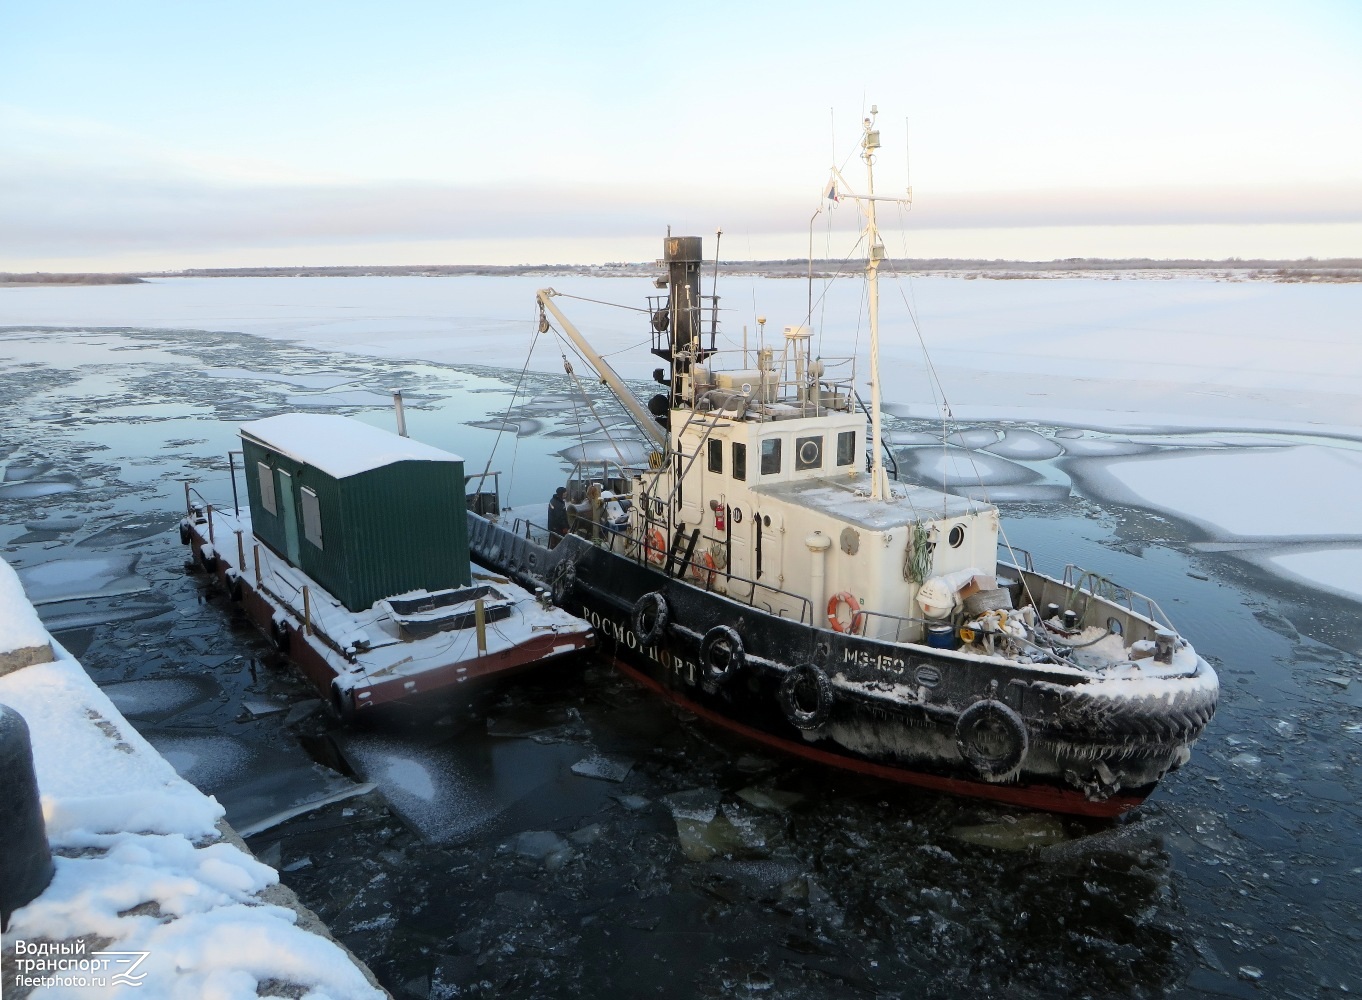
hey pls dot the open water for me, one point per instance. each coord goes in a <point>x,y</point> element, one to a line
<point>568,836</point>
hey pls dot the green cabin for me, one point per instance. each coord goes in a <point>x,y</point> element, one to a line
<point>365,513</point>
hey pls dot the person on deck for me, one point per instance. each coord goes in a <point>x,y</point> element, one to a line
<point>558,516</point>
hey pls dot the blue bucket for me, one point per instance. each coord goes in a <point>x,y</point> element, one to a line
<point>941,636</point>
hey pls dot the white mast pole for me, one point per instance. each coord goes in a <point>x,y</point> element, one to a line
<point>879,483</point>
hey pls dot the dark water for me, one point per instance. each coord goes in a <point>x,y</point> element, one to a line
<point>569,836</point>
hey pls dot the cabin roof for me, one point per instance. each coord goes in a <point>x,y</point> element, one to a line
<point>840,500</point>
<point>338,446</point>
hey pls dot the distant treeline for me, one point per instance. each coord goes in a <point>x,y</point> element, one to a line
<point>43,278</point>
<point>1309,269</point>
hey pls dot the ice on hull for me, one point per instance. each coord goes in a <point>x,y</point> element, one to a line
<point>1095,744</point>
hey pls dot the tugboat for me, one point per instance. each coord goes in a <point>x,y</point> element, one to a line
<point>757,574</point>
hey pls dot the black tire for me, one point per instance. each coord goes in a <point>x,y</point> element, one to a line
<point>564,583</point>
<point>280,632</point>
<point>343,702</point>
<point>209,563</point>
<point>806,696</point>
<point>184,533</point>
<point>650,617</point>
<point>722,653</point>
<point>992,739</point>
<point>234,589</point>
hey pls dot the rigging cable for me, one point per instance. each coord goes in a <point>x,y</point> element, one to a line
<point>487,469</point>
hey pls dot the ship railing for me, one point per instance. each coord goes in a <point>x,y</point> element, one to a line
<point>480,501</point>
<point>1077,589</point>
<point>1083,581</point>
<point>788,381</point>
<point>888,627</point>
<point>682,561</point>
<point>1017,557</point>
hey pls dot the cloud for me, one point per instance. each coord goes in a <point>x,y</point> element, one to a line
<point>53,208</point>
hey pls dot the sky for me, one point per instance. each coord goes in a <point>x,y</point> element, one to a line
<point>156,135</point>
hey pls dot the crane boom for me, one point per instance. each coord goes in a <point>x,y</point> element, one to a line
<point>608,375</point>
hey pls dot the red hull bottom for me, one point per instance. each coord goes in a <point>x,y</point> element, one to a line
<point>1041,797</point>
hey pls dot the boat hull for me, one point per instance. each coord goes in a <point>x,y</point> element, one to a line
<point>354,692</point>
<point>939,719</point>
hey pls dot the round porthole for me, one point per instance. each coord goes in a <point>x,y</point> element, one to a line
<point>766,520</point>
<point>957,536</point>
<point>737,515</point>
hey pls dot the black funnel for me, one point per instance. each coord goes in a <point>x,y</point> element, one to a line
<point>683,256</point>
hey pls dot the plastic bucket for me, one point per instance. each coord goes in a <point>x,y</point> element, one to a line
<point>941,636</point>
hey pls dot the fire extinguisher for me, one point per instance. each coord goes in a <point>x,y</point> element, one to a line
<point>718,508</point>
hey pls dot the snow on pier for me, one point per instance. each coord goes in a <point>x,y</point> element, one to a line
<point>151,885</point>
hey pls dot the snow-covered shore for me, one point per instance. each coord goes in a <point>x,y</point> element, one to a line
<point>150,882</point>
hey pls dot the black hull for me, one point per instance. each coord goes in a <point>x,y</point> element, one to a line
<point>904,713</point>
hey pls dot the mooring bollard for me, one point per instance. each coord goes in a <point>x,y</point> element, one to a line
<point>26,862</point>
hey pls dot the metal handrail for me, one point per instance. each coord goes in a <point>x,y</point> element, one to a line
<point>1105,589</point>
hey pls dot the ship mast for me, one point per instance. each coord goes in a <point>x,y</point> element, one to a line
<point>879,482</point>
<point>870,141</point>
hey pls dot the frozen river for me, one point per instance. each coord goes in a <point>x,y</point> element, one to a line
<point>1200,441</point>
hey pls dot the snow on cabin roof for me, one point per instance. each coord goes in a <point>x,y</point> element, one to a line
<point>842,501</point>
<point>339,446</point>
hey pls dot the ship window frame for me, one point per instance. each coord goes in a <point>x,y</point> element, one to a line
<point>846,448</point>
<point>268,499</point>
<point>956,538</point>
<point>740,461</point>
<point>312,516</point>
<point>770,456</point>
<point>801,445</point>
<point>716,455</point>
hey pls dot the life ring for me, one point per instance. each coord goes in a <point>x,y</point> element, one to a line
<point>721,652</point>
<point>564,583</point>
<point>656,544</point>
<point>853,605</point>
<point>649,618</point>
<point>806,696</point>
<point>992,738</point>
<point>703,568</point>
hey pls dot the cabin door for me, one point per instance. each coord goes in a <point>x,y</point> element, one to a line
<point>288,513</point>
<point>768,548</point>
<point>740,542</point>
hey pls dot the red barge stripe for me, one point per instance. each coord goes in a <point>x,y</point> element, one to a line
<point>1029,796</point>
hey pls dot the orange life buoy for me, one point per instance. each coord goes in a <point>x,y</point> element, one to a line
<point>657,546</point>
<point>703,568</point>
<point>853,605</point>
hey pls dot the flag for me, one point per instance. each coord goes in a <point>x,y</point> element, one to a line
<point>832,192</point>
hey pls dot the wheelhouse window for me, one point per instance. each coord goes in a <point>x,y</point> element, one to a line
<point>770,457</point>
<point>739,461</point>
<point>808,453</point>
<point>312,518</point>
<point>846,448</point>
<point>266,476</point>
<point>716,456</point>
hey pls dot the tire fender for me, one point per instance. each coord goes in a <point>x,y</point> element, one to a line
<point>722,653</point>
<point>564,583</point>
<point>992,739</point>
<point>806,696</point>
<point>650,617</point>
